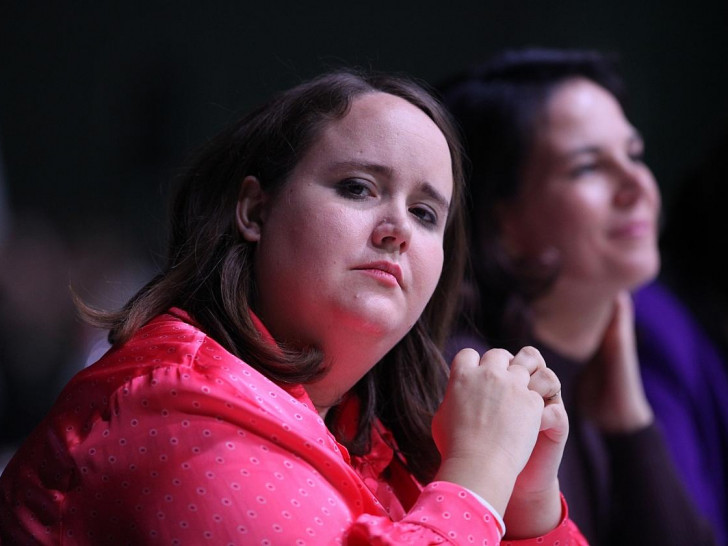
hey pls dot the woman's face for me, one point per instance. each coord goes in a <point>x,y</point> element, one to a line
<point>587,193</point>
<point>354,240</point>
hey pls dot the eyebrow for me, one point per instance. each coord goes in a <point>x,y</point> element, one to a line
<point>425,187</point>
<point>584,150</point>
<point>436,195</point>
<point>369,167</point>
<point>635,136</point>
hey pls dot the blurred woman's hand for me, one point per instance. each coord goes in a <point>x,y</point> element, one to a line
<point>610,392</point>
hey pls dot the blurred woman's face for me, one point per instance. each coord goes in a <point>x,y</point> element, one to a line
<point>587,197</point>
<point>354,240</point>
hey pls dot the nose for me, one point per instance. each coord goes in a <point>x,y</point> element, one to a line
<point>393,233</point>
<point>635,182</point>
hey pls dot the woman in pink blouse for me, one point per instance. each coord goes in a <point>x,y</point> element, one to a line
<point>281,381</point>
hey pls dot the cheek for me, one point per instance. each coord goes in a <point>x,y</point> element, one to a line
<point>564,223</point>
<point>303,234</point>
<point>578,212</point>
<point>427,270</point>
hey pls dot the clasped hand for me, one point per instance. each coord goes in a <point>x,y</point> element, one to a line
<point>501,431</point>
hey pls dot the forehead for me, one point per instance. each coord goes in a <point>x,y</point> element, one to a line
<point>387,131</point>
<point>580,112</point>
<point>381,115</point>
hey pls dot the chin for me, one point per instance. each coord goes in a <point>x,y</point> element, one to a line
<point>374,322</point>
<point>644,273</point>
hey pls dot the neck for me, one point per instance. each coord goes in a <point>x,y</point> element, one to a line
<point>349,352</point>
<point>572,319</point>
<point>347,360</point>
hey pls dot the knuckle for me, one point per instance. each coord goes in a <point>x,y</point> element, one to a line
<point>464,359</point>
<point>458,373</point>
<point>497,354</point>
<point>531,352</point>
<point>553,379</point>
<point>535,399</point>
<point>468,353</point>
<point>520,372</point>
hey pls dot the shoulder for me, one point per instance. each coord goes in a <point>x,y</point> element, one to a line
<point>171,364</point>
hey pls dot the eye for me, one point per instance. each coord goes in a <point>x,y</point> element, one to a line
<point>637,154</point>
<point>354,188</point>
<point>425,215</point>
<point>583,169</point>
<point>637,158</point>
<point>636,150</point>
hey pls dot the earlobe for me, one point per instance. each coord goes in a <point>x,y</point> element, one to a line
<point>249,211</point>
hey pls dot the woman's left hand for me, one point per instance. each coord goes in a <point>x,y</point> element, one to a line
<point>536,499</point>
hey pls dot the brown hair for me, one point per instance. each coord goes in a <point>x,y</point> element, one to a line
<point>209,269</point>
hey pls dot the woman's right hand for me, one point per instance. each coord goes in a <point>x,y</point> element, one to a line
<point>489,422</point>
<point>611,391</point>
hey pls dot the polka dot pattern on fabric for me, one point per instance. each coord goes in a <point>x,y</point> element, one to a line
<point>170,439</point>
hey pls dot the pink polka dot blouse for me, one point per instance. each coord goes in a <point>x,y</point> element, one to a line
<point>171,440</point>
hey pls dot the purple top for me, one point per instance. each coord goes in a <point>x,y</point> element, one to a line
<point>686,381</point>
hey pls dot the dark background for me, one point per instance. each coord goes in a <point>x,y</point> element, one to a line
<point>101,101</point>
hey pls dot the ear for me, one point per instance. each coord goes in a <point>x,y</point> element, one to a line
<point>249,213</point>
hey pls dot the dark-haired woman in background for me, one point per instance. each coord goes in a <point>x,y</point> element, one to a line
<point>564,226</point>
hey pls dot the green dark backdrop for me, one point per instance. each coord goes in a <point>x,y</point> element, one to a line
<point>100,101</point>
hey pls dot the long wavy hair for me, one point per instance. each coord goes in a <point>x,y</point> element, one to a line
<point>497,105</point>
<point>209,267</point>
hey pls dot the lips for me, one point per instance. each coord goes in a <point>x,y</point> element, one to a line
<point>632,230</point>
<point>382,270</point>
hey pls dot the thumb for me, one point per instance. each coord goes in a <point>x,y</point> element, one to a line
<point>555,422</point>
